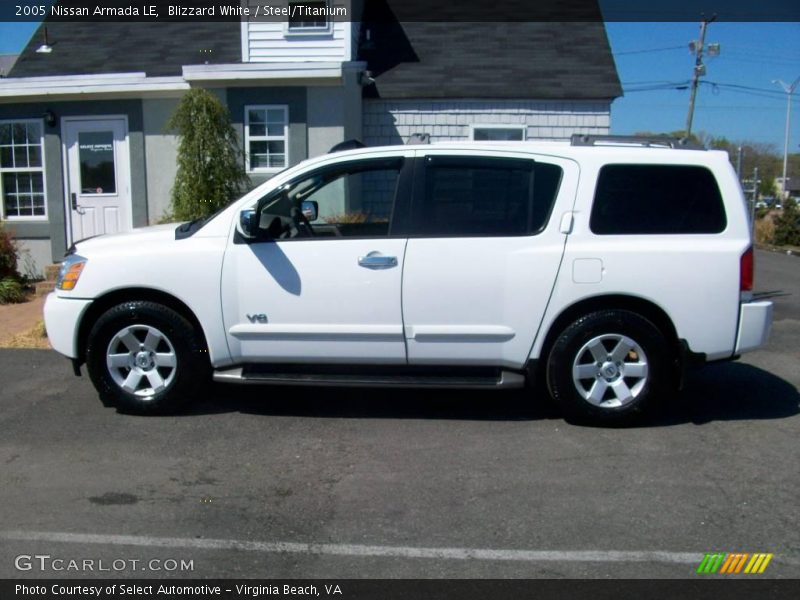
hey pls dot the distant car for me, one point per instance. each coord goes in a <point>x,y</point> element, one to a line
<point>771,202</point>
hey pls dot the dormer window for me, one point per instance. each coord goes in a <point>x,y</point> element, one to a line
<point>308,17</point>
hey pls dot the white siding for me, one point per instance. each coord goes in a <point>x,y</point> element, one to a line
<point>33,256</point>
<point>393,121</point>
<point>161,152</point>
<point>269,41</point>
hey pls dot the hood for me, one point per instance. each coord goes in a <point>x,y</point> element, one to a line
<point>141,235</point>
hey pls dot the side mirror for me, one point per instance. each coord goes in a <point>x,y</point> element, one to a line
<point>247,225</point>
<point>310,209</point>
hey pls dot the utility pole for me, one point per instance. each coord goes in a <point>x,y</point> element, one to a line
<point>755,199</point>
<point>739,163</point>
<point>789,89</point>
<point>697,48</point>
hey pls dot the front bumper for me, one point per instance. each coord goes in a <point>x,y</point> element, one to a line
<point>61,319</point>
<point>755,320</point>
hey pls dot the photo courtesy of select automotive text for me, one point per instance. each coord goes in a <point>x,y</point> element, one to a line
<point>399,300</point>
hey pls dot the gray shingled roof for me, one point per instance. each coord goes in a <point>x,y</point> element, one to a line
<point>491,60</point>
<point>82,48</point>
<point>539,60</point>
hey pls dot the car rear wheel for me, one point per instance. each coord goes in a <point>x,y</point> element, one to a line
<point>608,367</point>
<point>146,358</point>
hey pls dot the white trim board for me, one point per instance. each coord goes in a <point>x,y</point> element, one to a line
<point>249,71</point>
<point>20,87</point>
<point>138,83</point>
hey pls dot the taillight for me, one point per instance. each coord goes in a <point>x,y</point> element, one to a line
<point>746,271</point>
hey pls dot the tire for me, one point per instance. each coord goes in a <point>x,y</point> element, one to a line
<point>609,367</point>
<point>146,358</point>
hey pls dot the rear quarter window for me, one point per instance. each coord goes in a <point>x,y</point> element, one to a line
<point>657,199</point>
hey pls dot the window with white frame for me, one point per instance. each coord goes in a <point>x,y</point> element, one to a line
<point>266,134</point>
<point>22,169</point>
<point>308,16</point>
<point>498,133</point>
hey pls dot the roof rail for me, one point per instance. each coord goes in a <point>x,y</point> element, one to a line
<point>419,138</point>
<point>347,145</point>
<point>646,141</point>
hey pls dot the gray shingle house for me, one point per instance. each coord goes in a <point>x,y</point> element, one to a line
<point>83,142</point>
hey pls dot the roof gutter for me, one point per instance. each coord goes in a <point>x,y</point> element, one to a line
<point>133,84</point>
<point>84,85</point>
<point>266,72</point>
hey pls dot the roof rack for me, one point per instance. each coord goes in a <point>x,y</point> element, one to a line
<point>419,138</point>
<point>347,145</point>
<point>645,141</point>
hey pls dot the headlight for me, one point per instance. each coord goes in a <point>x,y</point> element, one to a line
<point>70,272</point>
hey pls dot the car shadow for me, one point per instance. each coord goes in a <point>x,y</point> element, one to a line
<point>372,403</point>
<point>731,391</point>
<point>721,392</point>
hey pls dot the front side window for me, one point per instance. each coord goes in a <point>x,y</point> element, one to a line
<point>635,199</point>
<point>470,196</point>
<point>22,170</point>
<point>266,133</point>
<point>351,200</point>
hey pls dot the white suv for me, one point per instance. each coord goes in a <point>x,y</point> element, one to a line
<point>603,267</point>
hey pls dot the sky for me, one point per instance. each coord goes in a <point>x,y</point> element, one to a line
<point>752,55</point>
<point>654,58</point>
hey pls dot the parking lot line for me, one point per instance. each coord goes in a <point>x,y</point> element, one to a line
<point>601,556</point>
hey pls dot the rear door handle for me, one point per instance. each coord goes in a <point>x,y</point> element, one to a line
<point>373,260</point>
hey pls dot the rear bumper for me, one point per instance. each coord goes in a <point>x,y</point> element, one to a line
<point>61,319</point>
<point>755,320</point>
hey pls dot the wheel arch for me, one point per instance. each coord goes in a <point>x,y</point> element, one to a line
<point>120,296</point>
<point>646,308</point>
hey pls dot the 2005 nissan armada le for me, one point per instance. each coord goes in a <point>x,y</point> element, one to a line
<point>601,267</point>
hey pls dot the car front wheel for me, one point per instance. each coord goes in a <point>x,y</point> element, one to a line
<point>146,358</point>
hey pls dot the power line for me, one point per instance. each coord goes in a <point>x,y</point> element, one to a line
<point>627,52</point>
<point>709,106</point>
<point>746,89</point>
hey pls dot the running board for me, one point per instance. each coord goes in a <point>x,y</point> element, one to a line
<point>275,376</point>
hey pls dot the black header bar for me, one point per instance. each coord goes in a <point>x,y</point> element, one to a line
<point>402,10</point>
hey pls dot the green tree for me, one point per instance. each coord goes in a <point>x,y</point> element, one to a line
<point>787,225</point>
<point>210,162</point>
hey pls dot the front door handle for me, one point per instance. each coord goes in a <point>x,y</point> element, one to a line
<point>74,201</point>
<point>373,260</point>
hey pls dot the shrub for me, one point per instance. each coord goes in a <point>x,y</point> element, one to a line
<point>787,226</point>
<point>210,161</point>
<point>8,254</point>
<point>765,230</point>
<point>11,291</point>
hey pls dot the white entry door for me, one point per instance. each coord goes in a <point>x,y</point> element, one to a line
<point>98,176</point>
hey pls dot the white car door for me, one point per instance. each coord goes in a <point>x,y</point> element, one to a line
<point>327,291</point>
<point>485,245</point>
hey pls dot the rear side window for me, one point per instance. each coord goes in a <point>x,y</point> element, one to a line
<point>656,199</point>
<point>476,196</point>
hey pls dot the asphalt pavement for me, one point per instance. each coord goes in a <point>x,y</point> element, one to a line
<point>337,483</point>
